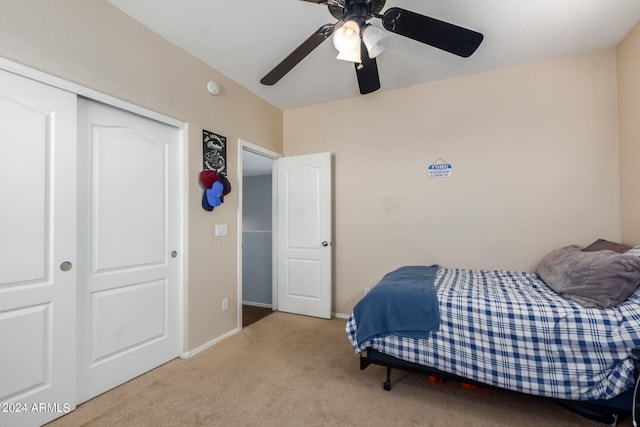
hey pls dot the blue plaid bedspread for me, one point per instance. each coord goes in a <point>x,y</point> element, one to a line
<point>509,329</point>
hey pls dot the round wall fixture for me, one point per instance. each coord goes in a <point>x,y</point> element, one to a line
<point>213,88</point>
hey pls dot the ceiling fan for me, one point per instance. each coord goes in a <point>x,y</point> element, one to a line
<point>360,42</point>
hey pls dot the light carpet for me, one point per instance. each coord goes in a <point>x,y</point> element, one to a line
<point>289,370</point>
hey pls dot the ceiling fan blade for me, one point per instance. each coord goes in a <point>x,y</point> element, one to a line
<point>367,73</point>
<point>449,37</point>
<point>298,55</point>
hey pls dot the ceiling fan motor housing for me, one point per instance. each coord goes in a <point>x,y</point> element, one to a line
<point>358,10</point>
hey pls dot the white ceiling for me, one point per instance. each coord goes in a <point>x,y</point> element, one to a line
<point>245,39</point>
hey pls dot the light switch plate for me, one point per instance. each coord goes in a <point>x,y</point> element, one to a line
<point>222,230</point>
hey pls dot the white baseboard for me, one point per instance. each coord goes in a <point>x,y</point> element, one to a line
<point>257,304</point>
<point>205,346</point>
<point>340,315</point>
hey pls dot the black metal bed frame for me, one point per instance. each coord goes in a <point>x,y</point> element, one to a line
<point>607,411</point>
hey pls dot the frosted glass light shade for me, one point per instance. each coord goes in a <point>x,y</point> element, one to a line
<point>347,40</point>
<point>375,39</point>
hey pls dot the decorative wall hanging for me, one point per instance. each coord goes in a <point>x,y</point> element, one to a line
<point>214,152</point>
<point>214,174</point>
<point>440,169</point>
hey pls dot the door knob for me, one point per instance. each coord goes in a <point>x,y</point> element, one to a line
<point>174,254</point>
<point>66,266</point>
<point>325,243</point>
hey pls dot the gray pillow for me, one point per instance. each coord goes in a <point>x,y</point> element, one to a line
<point>592,279</point>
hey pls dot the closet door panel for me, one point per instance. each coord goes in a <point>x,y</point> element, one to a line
<point>129,178</point>
<point>23,172</point>
<point>37,251</point>
<point>128,246</point>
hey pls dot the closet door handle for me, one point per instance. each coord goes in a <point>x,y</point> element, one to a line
<point>325,243</point>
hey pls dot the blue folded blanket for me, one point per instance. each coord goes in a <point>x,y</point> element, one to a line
<point>404,303</point>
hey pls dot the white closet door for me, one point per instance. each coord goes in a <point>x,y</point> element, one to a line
<point>37,251</point>
<point>129,234</point>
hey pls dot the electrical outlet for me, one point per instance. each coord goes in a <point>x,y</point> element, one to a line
<point>366,290</point>
<point>225,304</point>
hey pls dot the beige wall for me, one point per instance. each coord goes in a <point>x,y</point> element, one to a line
<point>535,167</point>
<point>628,55</point>
<point>93,44</point>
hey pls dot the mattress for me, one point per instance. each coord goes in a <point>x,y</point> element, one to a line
<point>510,330</point>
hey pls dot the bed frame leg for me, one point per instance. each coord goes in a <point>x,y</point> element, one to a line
<point>387,383</point>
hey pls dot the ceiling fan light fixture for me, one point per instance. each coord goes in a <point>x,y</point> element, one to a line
<point>346,40</point>
<point>375,39</point>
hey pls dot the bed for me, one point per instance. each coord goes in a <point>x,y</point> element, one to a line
<point>514,330</point>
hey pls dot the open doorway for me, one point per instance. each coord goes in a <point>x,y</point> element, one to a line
<point>256,221</point>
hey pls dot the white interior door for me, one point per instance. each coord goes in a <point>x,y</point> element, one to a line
<point>129,235</point>
<point>304,234</point>
<point>37,251</point>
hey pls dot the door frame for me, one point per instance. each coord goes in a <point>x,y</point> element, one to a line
<point>256,149</point>
<point>183,132</point>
